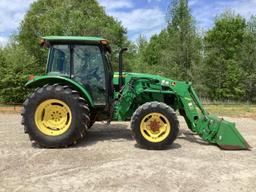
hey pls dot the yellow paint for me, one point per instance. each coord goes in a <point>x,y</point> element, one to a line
<point>155,136</point>
<point>53,117</point>
<point>117,75</point>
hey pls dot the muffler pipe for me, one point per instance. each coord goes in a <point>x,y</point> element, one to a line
<point>120,80</point>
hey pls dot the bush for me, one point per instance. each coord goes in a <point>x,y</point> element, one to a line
<point>15,67</point>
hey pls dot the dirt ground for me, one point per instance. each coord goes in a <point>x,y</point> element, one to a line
<point>109,160</point>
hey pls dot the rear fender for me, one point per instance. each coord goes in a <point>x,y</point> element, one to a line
<point>40,81</point>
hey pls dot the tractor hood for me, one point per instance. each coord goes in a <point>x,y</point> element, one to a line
<point>163,80</point>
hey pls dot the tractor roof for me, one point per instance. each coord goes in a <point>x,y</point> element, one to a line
<point>84,39</point>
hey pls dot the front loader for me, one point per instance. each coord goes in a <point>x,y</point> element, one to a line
<point>80,88</point>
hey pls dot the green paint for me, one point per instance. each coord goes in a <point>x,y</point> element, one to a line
<point>39,81</point>
<point>74,38</point>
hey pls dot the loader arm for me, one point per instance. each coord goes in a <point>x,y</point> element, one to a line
<point>190,106</point>
<point>210,128</point>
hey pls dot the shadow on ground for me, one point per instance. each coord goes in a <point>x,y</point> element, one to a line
<point>119,131</point>
<point>169,147</point>
<point>192,137</point>
<point>115,132</point>
<point>103,132</point>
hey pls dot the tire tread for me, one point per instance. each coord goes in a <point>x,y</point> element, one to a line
<point>67,91</point>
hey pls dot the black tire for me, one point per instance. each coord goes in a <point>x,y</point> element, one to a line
<point>154,107</point>
<point>92,119</point>
<point>91,124</point>
<point>79,121</point>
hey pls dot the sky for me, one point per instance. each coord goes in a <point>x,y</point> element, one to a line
<point>145,17</point>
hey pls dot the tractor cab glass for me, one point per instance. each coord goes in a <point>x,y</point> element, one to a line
<point>89,69</point>
<point>84,63</point>
<point>59,60</point>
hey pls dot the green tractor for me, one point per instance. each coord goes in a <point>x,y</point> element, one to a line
<point>80,88</point>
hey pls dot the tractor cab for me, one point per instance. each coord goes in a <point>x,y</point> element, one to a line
<point>84,60</point>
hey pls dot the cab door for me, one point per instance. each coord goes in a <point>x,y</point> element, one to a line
<point>89,69</point>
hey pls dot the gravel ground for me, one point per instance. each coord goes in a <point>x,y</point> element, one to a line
<point>109,160</point>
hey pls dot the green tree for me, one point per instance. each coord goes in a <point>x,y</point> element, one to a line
<point>3,67</point>
<point>223,74</point>
<point>184,42</point>
<point>176,50</point>
<point>141,45</point>
<point>66,17</point>
<point>248,58</point>
<point>16,64</point>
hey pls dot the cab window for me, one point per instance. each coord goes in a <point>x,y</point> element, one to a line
<point>89,70</point>
<point>60,59</point>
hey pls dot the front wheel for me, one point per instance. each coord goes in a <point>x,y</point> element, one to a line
<point>155,125</point>
<point>55,116</point>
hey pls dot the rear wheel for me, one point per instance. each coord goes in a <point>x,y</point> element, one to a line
<point>55,116</point>
<point>155,125</point>
<point>92,119</point>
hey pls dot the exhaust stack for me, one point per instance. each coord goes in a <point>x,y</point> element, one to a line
<point>120,81</point>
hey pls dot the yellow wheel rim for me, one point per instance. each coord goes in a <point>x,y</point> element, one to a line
<point>53,117</point>
<point>155,127</point>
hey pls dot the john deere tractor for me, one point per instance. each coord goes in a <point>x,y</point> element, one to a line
<point>80,88</point>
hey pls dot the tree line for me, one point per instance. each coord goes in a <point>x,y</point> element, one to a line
<point>221,62</point>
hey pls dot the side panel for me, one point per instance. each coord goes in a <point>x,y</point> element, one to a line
<point>39,81</point>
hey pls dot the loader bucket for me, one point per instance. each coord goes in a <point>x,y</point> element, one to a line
<point>228,137</point>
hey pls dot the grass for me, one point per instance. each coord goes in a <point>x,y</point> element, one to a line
<point>232,110</point>
<point>7,105</point>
